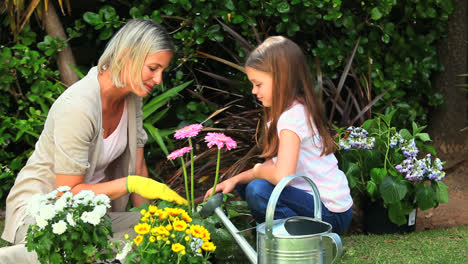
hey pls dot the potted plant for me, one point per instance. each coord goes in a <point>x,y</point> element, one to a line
<point>167,235</point>
<point>69,228</point>
<point>387,171</point>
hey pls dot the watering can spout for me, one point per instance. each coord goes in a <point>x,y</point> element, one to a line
<point>212,205</point>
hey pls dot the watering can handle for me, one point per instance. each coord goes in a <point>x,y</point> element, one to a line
<point>335,238</point>
<point>270,212</point>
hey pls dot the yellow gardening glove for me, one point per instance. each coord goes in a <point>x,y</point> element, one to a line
<point>151,189</point>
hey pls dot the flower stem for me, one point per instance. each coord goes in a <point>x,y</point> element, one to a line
<point>217,172</point>
<point>191,175</point>
<point>186,182</point>
<point>387,146</point>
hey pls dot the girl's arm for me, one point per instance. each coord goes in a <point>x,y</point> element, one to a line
<point>286,163</point>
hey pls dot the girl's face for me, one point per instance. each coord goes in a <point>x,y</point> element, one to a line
<point>262,85</point>
<point>151,74</point>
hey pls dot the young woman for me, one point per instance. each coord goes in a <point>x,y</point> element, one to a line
<point>93,137</point>
<point>295,140</point>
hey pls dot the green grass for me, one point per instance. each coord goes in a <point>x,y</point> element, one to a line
<point>434,246</point>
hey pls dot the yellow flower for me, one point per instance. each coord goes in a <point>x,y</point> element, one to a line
<point>162,230</point>
<point>187,238</point>
<point>127,236</point>
<point>186,217</point>
<point>177,247</point>
<point>142,228</point>
<point>152,239</point>
<point>163,215</point>
<point>179,225</point>
<point>169,227</point>
<point>142,211</point>
<point>208,246</point>
<point>200,232</point>
<point>138,239</point>
<point>172,236</point>
<point>152,209</point>
<point>158,238</point>
<point>188,231</point>
<point>183,252</point>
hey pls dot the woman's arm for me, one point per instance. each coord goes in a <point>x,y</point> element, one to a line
<point>114,189</point>
<point>286,163</point>
<point>141,170</point>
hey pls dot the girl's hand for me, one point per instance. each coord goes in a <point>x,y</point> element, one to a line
<point>226,186</point>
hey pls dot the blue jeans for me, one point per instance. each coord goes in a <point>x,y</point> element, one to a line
<point>292,202</point>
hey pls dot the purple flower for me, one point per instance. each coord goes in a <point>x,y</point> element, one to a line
<point>178,153</point>
<point>357,139</point>
<point>188,131</point>
<point>220,140</point>
<point>409,149</point>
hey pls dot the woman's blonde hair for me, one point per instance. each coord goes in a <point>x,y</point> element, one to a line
<point>285,62</point>
<point>126,52</point>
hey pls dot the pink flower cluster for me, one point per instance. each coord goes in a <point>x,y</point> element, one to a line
<point>178,153</point>
<point>188,131</point>
<point>220,140</point>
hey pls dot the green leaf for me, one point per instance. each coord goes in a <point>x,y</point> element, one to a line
<point>375,13</point>
<point>160,100</point>
<point>424,137</point>
<point>371,188</point>
<point>55,258</point>
<point>396,214</point>
<point>106,33</point>
<point>154,132</point>
<point>229,4</point>
<point>92,18</point>
<point>352,173</point>
<point>392,190</point>
<point>283,7</point>
<point>378,174</point>
<point>441,190</point>
<point>406,134</point>
<point>425,196</point>
<point>430,149</point>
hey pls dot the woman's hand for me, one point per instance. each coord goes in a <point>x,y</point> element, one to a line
<point>226,186</point>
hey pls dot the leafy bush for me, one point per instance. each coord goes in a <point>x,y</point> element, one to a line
<point>381,165</point>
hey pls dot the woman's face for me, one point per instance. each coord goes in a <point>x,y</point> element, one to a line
<point>262,85</point>
<point>151,74</point>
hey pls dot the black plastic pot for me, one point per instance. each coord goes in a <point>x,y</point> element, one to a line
<point>376,221</point>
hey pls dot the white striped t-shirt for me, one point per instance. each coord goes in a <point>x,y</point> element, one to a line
<point>322,170</point>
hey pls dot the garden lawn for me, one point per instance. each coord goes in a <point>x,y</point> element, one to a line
<point>435,246</point>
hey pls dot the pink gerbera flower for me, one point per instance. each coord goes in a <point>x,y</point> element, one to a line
<point>219,139</point>
<point>188,131</point>
<point>178,153</point>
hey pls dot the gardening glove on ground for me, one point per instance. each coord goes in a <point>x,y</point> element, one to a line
<point>151,189</point>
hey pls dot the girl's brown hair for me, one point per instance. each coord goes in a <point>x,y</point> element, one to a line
<point>285,62</point>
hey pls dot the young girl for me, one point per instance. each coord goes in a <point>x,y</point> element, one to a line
<point>295,140</point>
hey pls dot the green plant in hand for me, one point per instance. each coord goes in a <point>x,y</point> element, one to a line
<point>69,228</point>
<point>382,165</point>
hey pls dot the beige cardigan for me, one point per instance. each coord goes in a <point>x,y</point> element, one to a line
<point>70,143</point>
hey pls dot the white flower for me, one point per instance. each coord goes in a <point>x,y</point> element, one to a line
<point>60,204</point>
<point>70,219</point>
<point>41,222</point>
<point>59,228</point>
<point>51,196</point>
<point>47,211</point>
<point>34,205</point>
<point>93,219</point>
<point>63,188</point>
<point>122,255</point>
<point>84,197</point>
<point>102,199</point>
<point>99,210</point>
<point>196,244</point>
<point>85,216</point>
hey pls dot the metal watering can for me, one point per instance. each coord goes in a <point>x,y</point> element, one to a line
<point>296,239</point>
